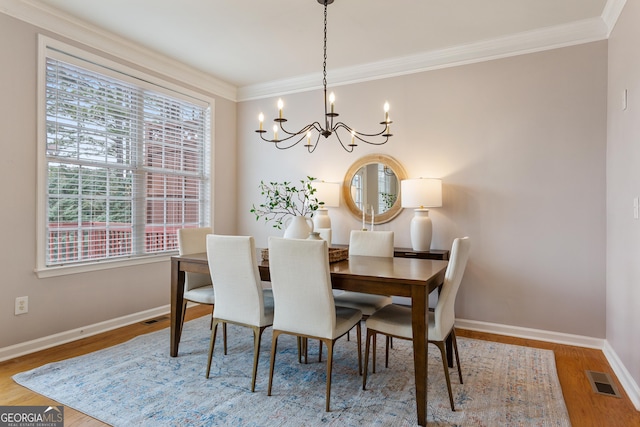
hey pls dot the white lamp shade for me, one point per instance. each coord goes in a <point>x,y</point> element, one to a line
<point>327,192</point>
<point>421,193</point>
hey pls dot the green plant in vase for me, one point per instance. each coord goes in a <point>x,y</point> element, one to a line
<point>283,200</point>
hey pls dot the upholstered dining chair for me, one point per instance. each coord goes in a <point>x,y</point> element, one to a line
<point>197,287</point>
<point>240,298</point>
<point>367,243</point>
<point>395,320</point>
<point>304,307</point>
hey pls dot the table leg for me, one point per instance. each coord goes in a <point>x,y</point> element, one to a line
<point>419,307</point>
<point>177,302</point>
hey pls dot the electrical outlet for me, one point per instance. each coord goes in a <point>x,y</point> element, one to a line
<point>22,305</point>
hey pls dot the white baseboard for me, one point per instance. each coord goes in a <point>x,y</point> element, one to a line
<point>21,349</point>
<point>533,334</point>
<point>630,386</point>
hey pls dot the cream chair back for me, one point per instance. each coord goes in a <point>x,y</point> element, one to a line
<point>301,283</point>
<point>444,314</point>
<point>194,241</point>
<point>371,243</point>
<point>234,269</point>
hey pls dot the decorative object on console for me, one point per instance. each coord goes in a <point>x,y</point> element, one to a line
<point>298,227</point>
<point>329,194</point>
<point>325,234</point>
<point>421,193</point>
<point>283,202</point>
<point>329,127</point>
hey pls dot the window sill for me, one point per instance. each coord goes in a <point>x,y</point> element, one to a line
<point>64,270</point>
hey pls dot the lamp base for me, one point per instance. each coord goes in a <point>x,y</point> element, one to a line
<point>321,219</point>
<point>421,230</point>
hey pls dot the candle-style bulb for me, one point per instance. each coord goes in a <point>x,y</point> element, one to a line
<point>386,111</point>
<point>280,105</point>
<point>332,99</point>
<point>261,119</point>
<point>275,132</point>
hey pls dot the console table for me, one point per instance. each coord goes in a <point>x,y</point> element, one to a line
<point>440,254</point>
<point>437,254</point>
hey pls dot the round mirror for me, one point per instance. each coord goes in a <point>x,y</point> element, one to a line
<point>374,182</point>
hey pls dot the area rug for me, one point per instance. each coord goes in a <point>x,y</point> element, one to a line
<point>137,383</point>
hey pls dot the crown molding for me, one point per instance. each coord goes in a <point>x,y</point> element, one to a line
<point>575,33</point>
<point>611,13</point>
<point>578,32</point>
<point>60,23</point>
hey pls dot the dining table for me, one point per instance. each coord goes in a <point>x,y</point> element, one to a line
<point>407,277</point>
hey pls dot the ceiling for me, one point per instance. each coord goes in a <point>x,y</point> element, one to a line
<point>249,43</point>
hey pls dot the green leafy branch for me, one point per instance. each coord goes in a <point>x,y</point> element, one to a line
<point>281,199</point>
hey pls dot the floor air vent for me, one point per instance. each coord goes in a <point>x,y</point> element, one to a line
<point>602,383</point>
<point>152,321</point>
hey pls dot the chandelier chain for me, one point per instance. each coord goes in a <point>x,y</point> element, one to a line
<point>330,128</point>
<point>324,63</point>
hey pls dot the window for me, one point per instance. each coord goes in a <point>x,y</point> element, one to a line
<point>126,163</point>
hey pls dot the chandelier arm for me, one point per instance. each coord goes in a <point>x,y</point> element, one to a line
<point>304,130</point>
<point>348,148</point>
<point>360,135</point>
<point>280,141</point>
<point>311,148</point>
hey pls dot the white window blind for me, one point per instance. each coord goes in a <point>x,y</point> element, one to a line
<point>127,165</point>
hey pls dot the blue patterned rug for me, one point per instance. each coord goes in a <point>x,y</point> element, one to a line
<point>138,384</point>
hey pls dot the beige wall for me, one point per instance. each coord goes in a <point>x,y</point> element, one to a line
<point>519,143</point>
<point>65,303</point>
<point>520,146</point>
<point>623,185</point>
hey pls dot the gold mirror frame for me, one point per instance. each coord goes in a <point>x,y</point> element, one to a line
<point>388,161</point>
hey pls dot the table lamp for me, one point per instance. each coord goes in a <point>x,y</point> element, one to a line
<point>329,193</point>
<point>421,193</point>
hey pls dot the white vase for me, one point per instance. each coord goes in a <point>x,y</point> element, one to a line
<point>298,227</point>
<point>321,219</point>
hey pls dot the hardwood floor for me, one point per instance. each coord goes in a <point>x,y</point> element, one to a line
<point>586,408</point>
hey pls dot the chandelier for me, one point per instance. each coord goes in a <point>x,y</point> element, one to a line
<point>290,139</point>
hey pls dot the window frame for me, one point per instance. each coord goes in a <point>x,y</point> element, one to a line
<point>48,47</point>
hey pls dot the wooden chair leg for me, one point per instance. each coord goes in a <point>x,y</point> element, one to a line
<point>370,333</point>
<point>257,335</point>
<point>224,337</point>
<point>359,333</point>
<point>386,354</point>
<point>274,347</point>
<point>455,350</point>
<point>184,313</point>
<point>212,344</point>
<point>329,369</point>
<point>445,365</point>
<point>373,360</point>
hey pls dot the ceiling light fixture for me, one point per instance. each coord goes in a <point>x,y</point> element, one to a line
<point>289,139</point>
